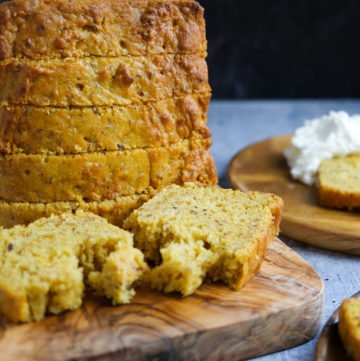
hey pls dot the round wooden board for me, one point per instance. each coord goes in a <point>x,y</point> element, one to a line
<point>329,346</point>
<point>279,308</point>
<point>262,167</point>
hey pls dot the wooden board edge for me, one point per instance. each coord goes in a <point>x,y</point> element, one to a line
<point>312,239</point>
<point>237,340</point>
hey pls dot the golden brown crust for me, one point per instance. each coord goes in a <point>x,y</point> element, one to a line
<point>71,28</point>
<point>258,253</point>
<point>115,211</point>
<point>98,176</point>
<point>102,81</point>
<point>26,129</point>
<point>333,198</point>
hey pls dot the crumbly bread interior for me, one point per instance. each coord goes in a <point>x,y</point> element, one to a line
<point>45,267</point>
<point>191,233</point>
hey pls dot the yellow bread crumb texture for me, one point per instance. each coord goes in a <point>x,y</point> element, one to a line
<point>45,267</point>
<point>192,232</point>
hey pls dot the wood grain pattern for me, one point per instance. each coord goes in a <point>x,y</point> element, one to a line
<point>329,346</point>
<point>280,308</point>
<point>263,167</point>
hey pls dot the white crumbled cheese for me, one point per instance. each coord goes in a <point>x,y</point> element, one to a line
<point>323,138</point>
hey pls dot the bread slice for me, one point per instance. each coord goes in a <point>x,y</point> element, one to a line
<point>349,327</point>
<point>45,266</point>
<point>115,211</point>
<point>69,28</point>
<point>102,81</point>
<point>339,182</point>
<point>42,130</point>
<point>192,233</point>
<point>102,176</point>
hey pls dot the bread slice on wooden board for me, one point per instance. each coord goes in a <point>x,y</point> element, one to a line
<point>46,266</point>
<point>339,182</point>
<point>99,81</point>
<point>349,327</point>
<point>43,130</point>
<point>192,233</point>
<point>71,28</point>
<point>115,211</point>
<point>101,176</point>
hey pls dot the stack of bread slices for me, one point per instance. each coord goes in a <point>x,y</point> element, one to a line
<point>103,103</point>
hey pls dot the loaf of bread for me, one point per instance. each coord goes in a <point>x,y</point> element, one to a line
<point>102,104</point>
<point>349,327</point>
<point>115,211</point>
<point>72,28</point>
<point>101,176</point>
<point>46,265</point>
<point>102,81</point>
<point>192,233</point>
<point>42,130</point>
<point>339,182</point>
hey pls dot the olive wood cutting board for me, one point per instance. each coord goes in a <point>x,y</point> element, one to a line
<point>262,167</point>
<point>329,346</point>
<point>280,308</point>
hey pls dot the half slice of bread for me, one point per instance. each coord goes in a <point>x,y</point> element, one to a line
<point>339,182</point>
<point>45,267</point>
<point>192,233</point>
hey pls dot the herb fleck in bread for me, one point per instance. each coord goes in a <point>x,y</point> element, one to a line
<point>192,233</point>
<point>45,266</point>
<point>339,182</point>
<point>349,327</point>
